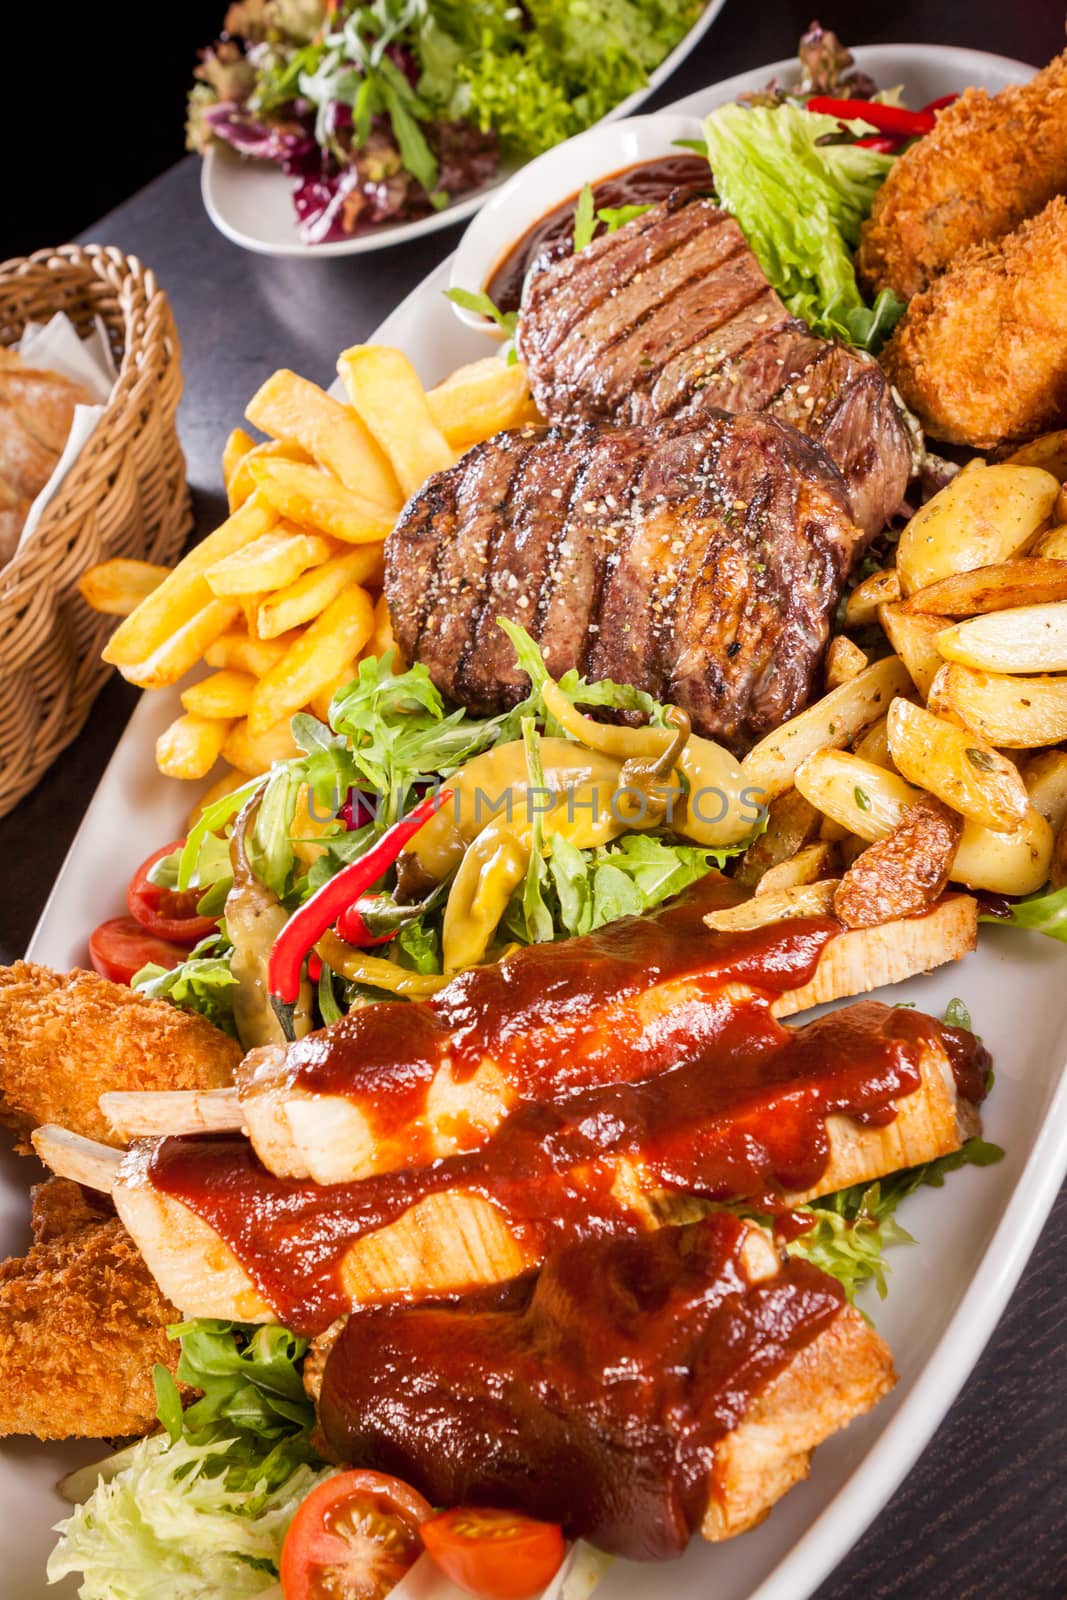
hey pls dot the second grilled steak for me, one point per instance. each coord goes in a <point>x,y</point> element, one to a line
<point>672,314</point>
<point>699,559</point>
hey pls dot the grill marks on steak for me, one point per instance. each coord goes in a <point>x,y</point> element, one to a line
<point>672,314</point>
<point>699,559</point>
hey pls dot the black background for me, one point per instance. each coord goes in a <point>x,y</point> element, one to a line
<point>93,110</point>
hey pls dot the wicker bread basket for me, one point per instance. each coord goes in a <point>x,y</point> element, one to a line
<point>124,496</point>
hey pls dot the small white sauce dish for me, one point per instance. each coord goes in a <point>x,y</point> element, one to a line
<point>546,183</point>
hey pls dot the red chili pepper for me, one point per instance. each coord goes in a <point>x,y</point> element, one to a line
<point>939,105</point>
<point>311,921</point>
<point>353,928</point>
<point>314,967</point>
<point>887,119</point>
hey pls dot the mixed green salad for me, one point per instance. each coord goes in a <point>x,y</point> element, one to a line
<point>386,111</point>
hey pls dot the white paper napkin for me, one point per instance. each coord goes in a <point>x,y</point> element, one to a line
<point>56,347</point>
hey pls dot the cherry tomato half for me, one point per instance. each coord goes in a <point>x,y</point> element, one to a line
<point>121,947</point>
<point>495,1554</point>
<point>168,913</point>
<point>353,1538</point>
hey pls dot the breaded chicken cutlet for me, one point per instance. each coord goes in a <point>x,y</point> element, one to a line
<point>981,357</point>
<point>81,1325</point>
<point>65,1038</point>
<point>990,162</point>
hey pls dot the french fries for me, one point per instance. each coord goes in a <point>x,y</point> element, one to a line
<point>191,745</point>
<point>313,499</point>
<point>479,400</point>
<point>269,562</point>
<point>1012,713</point>
<point>1019,582</point>
<point>224,694</point>
<point>117,587</point>
<point>240,483</point>
<point>185,591</point>
<point>956,766</point>
<point>309,595</point>
<point>384,389</point>
<point>984,515</point>
<point>253,754</point>
<point>289,407</point>
<point>1026,639</point>
<point>831,723</point>
<point>316,658</point>
<point>237,446</point>
<point>236,649</point>
<point>180,652</point>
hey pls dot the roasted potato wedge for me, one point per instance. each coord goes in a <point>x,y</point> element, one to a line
<point>1045,777</point>
<point>914,638</point>
<point>810,864</point>
<point>1009,712</point>
<point>1048,452</point>
<point>792,822</point>
<point>871,802</point>
<point>904,873</point>
<point>984,515</point>
<point>844,661</point>
<point>1024,581</point>
<point>880,589</point>
<point>873,745</point>
<point>807,900</point>
<point>832,722</point>
<point>1052,546</point>
<point>1025,639</point>
<point>956,766</point>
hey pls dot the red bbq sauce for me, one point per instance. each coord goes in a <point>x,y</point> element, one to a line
<point>592,1394</point>
<point>736,1108</point>
<point>684,175</point>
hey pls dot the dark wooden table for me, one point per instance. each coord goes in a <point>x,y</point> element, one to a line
<point>984,1514</point>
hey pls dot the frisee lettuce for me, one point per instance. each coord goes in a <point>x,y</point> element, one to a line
<point>800,205</point>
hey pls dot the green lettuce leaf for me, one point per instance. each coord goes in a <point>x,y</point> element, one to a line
<point>800,205</point>
<point>202,983</point>
<point>1042,913</point>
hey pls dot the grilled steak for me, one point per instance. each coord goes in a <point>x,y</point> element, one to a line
<point>699,559</point>
<point>672,314</point>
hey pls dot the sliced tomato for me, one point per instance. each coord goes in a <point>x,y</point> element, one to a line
<point>121,947</point>
<point>353,1538</point>
<point>168,913</point>
<point>496,1554</point>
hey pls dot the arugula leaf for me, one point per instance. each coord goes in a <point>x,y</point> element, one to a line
<point>418,946</point>
<point>484,307</point>
<point>604,693</point>
<point>614,217</point>
<point>584,219</point>
<point>1041,913</point>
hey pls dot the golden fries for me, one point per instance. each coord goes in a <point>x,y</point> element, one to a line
<point>185,591</point>
<point>385,391</point>
<point>477,401</point>
<point>191,745</point>
<point>184,648</point>
<point>241,484</point>
<point>1025,639</point>
<point>1012,713</point>
<point>957,767</point>
<point>313,661</point>
<point>383,638</point>
<point>270,562</point>
<point>880,589</point>
<point>309,595</point>
<point>315,500</point>
<point>235,449</point>
<point>254,754</point>
<point>832,722</point>
<point>985,515</point>
<point>223,694</point>
<point>1025,580</point>
<point>321,702</point>
<point>116,588</point>
<point>236,649</point>
<point>288,407</point>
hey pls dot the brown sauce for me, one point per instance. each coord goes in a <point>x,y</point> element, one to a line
<point>686,175</point>
<point>738,1110</point>
<point>592,1394</point>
